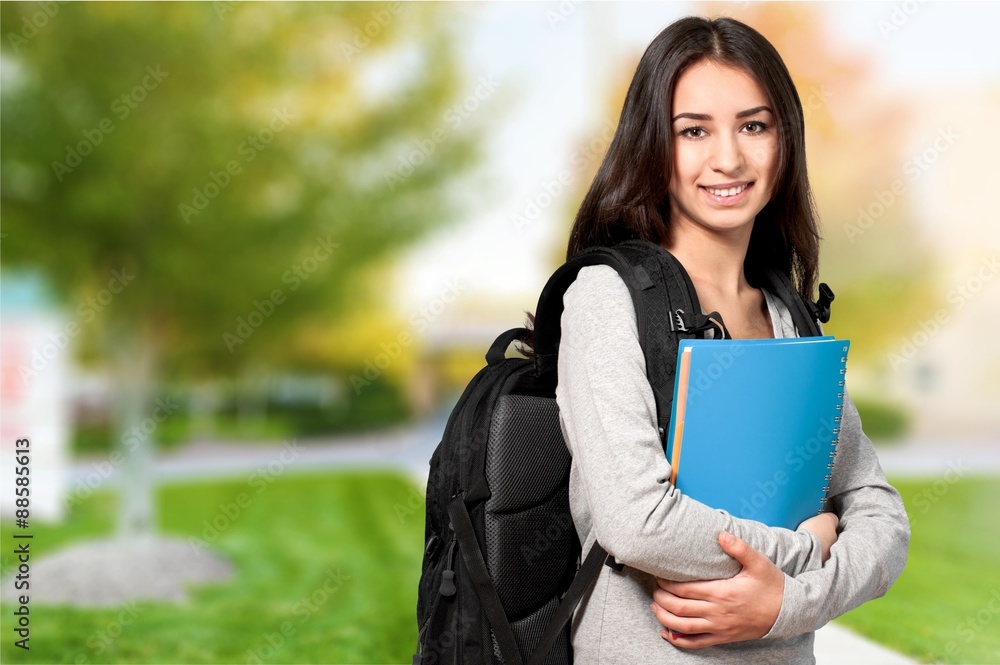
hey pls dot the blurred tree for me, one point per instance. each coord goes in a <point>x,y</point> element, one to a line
<point>199,181</point>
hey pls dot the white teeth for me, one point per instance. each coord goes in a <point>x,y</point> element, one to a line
<point>732,191</point>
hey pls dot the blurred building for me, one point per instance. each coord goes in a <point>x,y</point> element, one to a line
<point>36,342</point>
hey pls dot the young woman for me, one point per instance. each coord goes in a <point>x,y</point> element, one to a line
<point>708,161</point>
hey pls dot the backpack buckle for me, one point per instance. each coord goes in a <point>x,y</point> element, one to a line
<point>677,321</point>
<point>432,546</point>
<point>825,298</point>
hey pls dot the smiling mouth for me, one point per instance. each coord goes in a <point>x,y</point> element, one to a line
<point>728,191</point>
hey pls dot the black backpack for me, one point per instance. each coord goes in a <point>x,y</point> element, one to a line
<point>501,569</point>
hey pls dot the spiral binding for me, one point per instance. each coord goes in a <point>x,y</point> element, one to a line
<point>836,433</point>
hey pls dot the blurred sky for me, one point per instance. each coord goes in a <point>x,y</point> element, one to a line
<point>560,73</point>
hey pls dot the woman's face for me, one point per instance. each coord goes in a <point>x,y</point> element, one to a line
<point>725,149</point>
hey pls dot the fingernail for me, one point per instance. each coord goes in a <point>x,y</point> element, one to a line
<point>663,634</point>
<point>727,538</point>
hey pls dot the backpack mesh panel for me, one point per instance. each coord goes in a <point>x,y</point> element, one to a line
<point>529,553</point>
<point>531,546</point>
<point>526,458</point>
<point>528,631</point>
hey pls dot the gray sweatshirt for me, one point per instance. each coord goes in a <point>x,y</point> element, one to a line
<point>620,495</point>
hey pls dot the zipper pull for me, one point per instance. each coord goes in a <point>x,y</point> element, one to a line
<point>448,576</point>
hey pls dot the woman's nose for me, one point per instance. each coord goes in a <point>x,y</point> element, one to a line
<point>726,156</point>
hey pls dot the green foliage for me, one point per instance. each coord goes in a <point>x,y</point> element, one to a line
<point>231,160</point>
<point>882,421</point>
<point>364,529</point>
<point>944,606</point>
<point>380,405</point>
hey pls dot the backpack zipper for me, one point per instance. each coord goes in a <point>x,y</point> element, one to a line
<point>448,575</point>
<point>446,589</point>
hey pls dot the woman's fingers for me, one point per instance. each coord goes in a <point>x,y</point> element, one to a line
<point>690,590</point>
<point>681,624</point>
<point>688,641</point>
<point>679,606</point>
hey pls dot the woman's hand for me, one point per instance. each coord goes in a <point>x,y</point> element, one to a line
<point>823,526</point>
<point>710,612</point>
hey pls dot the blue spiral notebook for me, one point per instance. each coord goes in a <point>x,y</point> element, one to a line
<point>754,424</point>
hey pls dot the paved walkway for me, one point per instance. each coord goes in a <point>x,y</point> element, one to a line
<point>835,645</point>
<point>410,449</point>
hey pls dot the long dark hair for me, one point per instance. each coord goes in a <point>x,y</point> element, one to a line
<point>628,197</point>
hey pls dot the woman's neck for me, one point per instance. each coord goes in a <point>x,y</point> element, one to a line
<point>713,260</point>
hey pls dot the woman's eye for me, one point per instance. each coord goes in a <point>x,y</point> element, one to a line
<point>755,127</point>
<point>693,132</point>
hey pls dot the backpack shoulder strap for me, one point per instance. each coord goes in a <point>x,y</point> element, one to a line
<point>665,301</point>
<point>548,313</point>
<point>485,590</point>
<point>673,313</point>
<point>587,573</point>
<point>806,314</point>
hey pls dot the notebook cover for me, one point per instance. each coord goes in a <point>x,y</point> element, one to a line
<point>761,421</point>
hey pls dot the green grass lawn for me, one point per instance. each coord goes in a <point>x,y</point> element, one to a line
<point>356,534</point>
<point>366,529</point>
<point>945,607</point>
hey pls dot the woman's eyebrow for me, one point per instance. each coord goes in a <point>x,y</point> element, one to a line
<point>705,116</point>
<point>754,110</point>
<point>693,116</point>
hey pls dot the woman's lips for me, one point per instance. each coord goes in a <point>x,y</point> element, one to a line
<point>727,200</point>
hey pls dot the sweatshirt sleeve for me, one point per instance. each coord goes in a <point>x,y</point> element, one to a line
<point>608,415</point>
<point>871,549</point>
